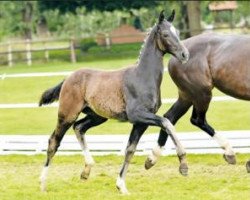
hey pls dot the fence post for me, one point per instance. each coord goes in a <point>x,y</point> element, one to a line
<point>28,52</point>
<point>10,63</point>
<point>107,41</point>
<point>72,51</point>
<point>46,52</point>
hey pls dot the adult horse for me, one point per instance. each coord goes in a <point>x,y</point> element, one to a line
<point>131,94</point>
<point>220,61</point>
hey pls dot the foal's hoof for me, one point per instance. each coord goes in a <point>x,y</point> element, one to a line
<point>86,172</point>
<point>248,166</point>
<point>183,169</point>
<point>84,176</point>
<point>231,159</point>
<point>149,163</point>
<point>121,186</point>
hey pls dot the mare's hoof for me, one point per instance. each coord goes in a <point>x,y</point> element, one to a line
<point>183,169</point>
<point>231,159</point>
<point>248,166</point>
<point>149,163</point>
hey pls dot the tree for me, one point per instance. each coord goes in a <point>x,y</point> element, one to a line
<point>27,13</point>
<point>194,17</point>
<point>190,21</point>
<point>101,5</point>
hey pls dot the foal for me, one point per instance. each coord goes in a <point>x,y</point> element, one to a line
<point>220,61</point>
<point>131,94</point>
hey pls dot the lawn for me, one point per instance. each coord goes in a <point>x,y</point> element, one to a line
<point>29,89</point>
<point>43,120</point>
<point>210,178</point>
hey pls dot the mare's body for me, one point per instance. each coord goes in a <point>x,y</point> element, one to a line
<point>221,61</point>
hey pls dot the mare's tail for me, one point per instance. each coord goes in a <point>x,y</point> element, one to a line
<point>51,95</point>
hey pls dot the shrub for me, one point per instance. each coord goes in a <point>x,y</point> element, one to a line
<point>86,44</point>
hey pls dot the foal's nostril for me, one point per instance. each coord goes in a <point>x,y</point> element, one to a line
<point>183,55</point>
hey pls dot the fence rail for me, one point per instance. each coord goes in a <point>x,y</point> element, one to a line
<point>28,47</point>
<point>195,142</point>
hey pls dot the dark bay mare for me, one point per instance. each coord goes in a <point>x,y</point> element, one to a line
<point>130,94</point>
<point>221,61</point>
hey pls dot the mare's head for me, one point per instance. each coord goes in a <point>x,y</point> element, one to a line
<point>167,38</point>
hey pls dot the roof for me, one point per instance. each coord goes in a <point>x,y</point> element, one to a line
<point>223,5</point>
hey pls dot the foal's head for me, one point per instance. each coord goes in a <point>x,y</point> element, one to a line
<point>167,38</point>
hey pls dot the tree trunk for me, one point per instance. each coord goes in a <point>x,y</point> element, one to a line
<point>27,12</point>
<point>194,17</point>
<point>183,23</point>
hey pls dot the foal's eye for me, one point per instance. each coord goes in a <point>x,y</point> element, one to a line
<point>178,32</point>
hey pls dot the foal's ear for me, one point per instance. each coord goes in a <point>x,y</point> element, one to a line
<point>171,17</point>
<point>161,17</point>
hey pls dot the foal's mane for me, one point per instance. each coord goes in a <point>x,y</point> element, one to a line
<point>151,30</point>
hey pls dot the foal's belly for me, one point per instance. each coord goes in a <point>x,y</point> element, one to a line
<point>104,95</point>
<point>108,106</point>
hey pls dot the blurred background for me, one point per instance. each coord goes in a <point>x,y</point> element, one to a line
<point>79,30</point>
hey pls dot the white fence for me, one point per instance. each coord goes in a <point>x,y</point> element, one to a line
<point>195,142</point>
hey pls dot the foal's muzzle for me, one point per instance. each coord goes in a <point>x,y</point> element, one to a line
<point>182,54</point>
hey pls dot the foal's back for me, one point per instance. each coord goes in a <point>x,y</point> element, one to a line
<point>102,91</point>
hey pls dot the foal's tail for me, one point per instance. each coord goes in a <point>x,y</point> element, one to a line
<point>51,95</point>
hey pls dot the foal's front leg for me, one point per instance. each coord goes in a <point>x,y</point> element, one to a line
<point>167,128</point>
<point>135,135</point>
<point>179,108</point>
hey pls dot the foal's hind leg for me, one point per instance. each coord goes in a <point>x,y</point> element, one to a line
<point>67,114</point>
<point>198,118</point>
<point>54,143</point>
<point>80,128</point>
<point>179,108</point>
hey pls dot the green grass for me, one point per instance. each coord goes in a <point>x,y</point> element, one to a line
<point>43,120</point>
<point>210,178</point>
<point>29,89</point>
<point>66,66</point>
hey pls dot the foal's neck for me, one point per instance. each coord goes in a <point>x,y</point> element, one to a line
<point>151,58</point>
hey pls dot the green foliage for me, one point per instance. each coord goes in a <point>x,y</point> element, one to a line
<point>87,18</point>
<point>102,5</point>
<point>86,44</point>
<point>81,24</point>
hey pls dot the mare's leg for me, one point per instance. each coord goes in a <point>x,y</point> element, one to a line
<point>248,166</point>
<point>198,119</point>
<point>135,135</point>
<point>54,142</point>
<point>179,108</point>
<point>80,128</point>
